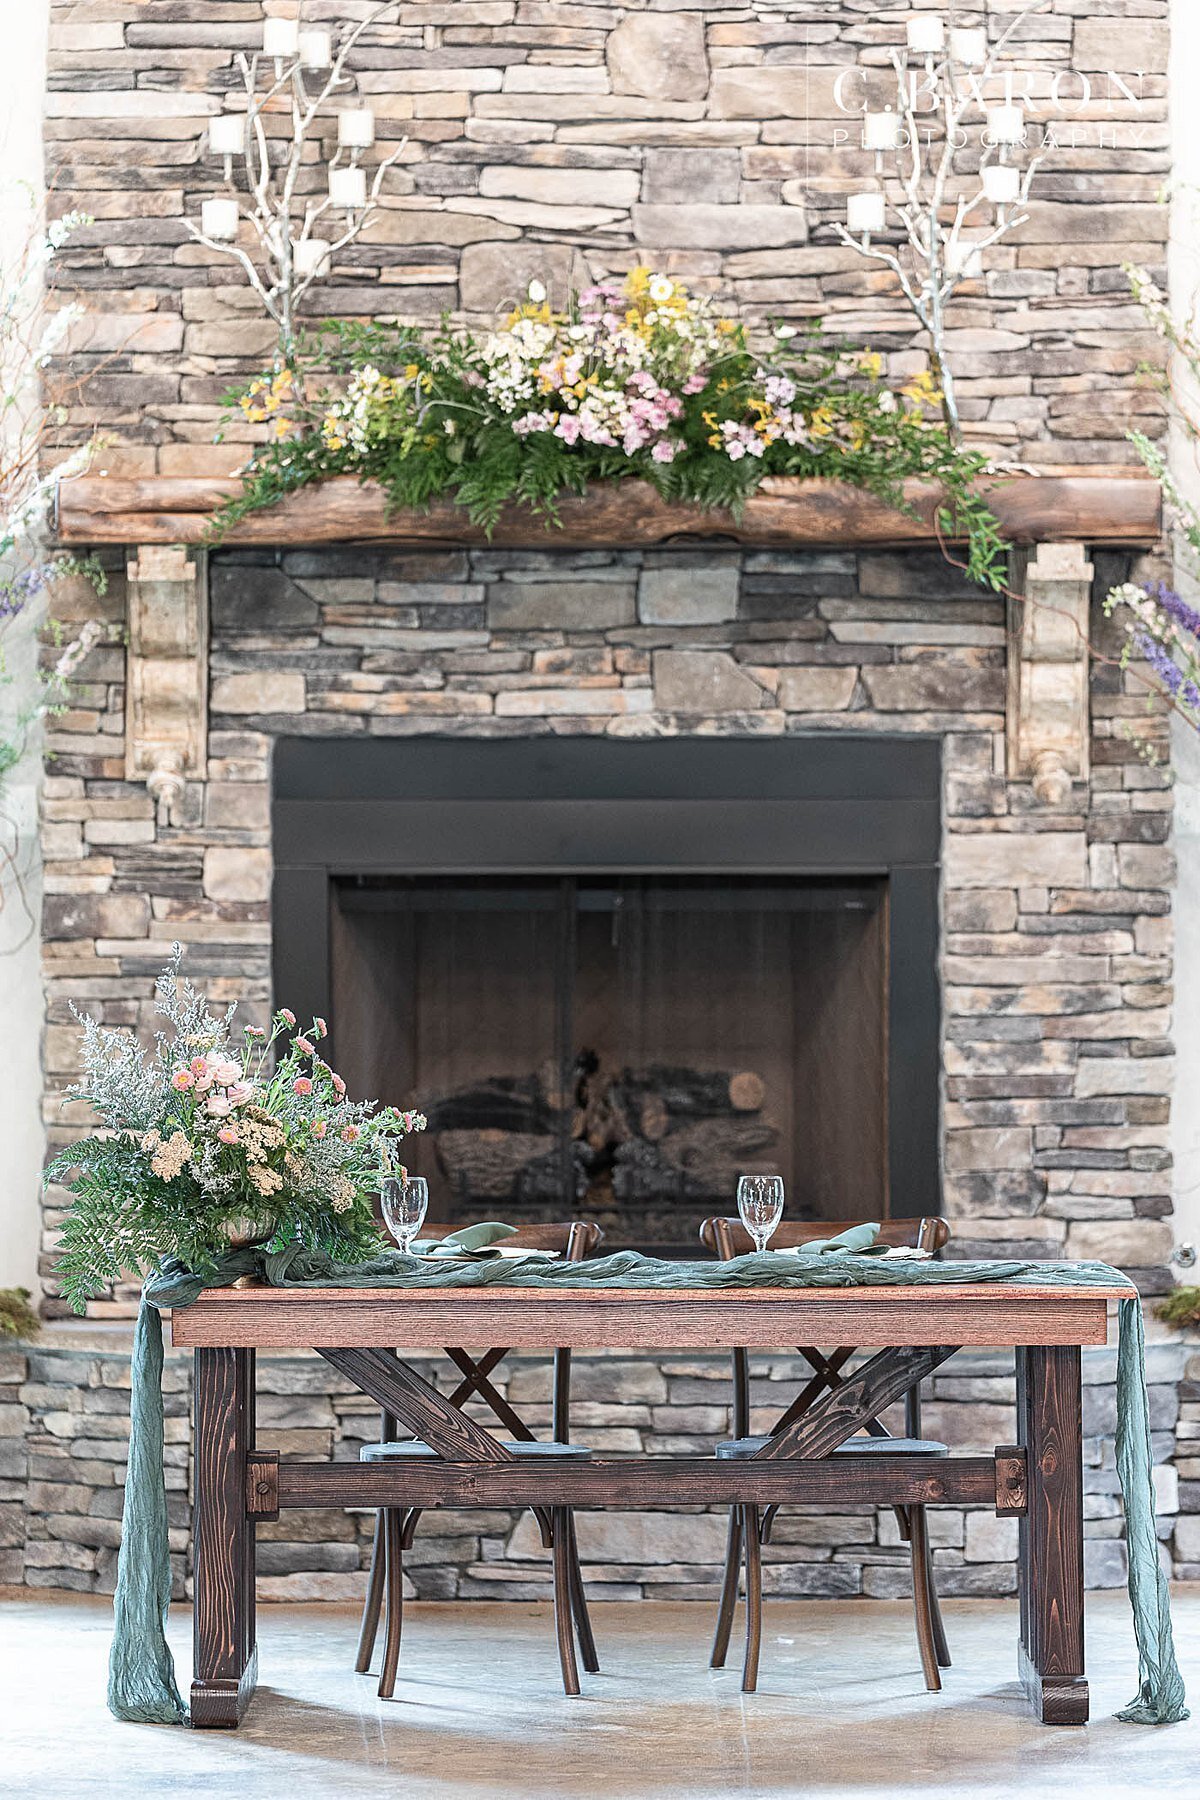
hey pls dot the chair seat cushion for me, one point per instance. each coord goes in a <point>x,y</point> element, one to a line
<point>898,1446</point>
<point>413,1447</point>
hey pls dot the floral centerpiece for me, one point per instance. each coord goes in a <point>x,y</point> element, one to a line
<point>209,1141</point>
<point>640,378</point>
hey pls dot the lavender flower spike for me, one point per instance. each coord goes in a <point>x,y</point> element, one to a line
<point>1175,606</point>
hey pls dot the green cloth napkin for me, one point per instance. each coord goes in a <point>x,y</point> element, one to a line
<point>471,1240</point>
<point>141,1675</point>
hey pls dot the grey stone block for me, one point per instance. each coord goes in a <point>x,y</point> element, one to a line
<point>688,593</point>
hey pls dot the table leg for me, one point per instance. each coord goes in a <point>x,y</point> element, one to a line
<point>225,1652</point>
<point>1050,1566</point>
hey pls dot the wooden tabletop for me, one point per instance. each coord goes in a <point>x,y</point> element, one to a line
<point>981,1313</point>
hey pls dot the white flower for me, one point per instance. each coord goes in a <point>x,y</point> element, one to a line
<point>661,288</point>
<point>785,332</point>
<point>537,292</point>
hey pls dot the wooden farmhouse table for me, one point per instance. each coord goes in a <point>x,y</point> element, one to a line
<point>911,1330</point>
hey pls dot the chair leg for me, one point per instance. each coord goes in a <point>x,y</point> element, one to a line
<point>394,1561</point>
<point>922,1588</point>
<point>940,1645</point>
<point>753,1598</point>
<point>561,1531</point>
<point>729,1589</point>
<point>579,1606</point>
<point>373,1602</point>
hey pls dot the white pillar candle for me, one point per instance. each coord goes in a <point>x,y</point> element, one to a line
<point>1001,183</point>
<point>356,128</point>
<point>963,256</point>
<point>281,38</point>
<point>227,134</point>
<point>348,188</point>
<point>881,130</point>
<point>969,45</point>
<point>926,34</point>
<point>219,219</point>
<point>311,256</point>
<point>316,47</point>
<point>1005,124</point>
<point>865,213</point>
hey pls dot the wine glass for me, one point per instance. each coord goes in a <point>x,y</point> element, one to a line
<point>760,1204</point>
<point>404,1199</point>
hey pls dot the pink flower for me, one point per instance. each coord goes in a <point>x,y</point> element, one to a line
<point>239,1093</point>
<point>321,1028</point>
<point>286,1014</point>
<point>663,451</point>
<point>302,1085</point>
<point>219,1107</point>
<point>182,1079</point>
<point>695,384</point>
<point>339,1086</point>
<point>199,1066</point>
<point>320,1127</point>
<point>350,1134</point>
<point>304,1047</point>
<point>255,1031</point>
<point>227,1134</point>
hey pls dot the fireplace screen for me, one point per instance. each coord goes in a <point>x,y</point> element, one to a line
<point>622,1048</point>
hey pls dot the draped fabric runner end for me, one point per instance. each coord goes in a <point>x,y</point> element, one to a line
<point>141,1685</point>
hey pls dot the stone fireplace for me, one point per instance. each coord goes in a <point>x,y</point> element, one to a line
<point>615,974</point>
<point>462,799</point>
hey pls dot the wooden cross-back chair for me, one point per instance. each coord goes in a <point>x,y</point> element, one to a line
<point>395,1525</point>
<point>750,1526</point>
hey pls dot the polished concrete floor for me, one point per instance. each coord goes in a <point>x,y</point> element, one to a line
<point>478,1713</point>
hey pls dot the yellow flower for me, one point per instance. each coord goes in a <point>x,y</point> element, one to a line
<point>922,389</point>
<point>637,282</point>
<point>411,370</point>
<point>872,364</point>
<point>821,423</point>
<point>715,440</point>
<point>726,327</point>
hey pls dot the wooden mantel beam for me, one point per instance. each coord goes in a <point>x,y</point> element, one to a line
<point>1094,506</point>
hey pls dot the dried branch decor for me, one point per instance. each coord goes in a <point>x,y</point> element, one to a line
<point>948,66</point>
<point>299,70</point>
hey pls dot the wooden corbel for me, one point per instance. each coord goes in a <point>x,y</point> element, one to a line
<point>166,718</point>
<point>1049,716</point>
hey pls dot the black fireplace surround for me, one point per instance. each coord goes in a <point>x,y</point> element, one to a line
<point>615,974</point>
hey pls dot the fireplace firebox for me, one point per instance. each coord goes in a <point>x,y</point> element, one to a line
<point>615,975</point>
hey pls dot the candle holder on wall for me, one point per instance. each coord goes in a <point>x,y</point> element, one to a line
<point>302,70</point>
<point>916,184</point>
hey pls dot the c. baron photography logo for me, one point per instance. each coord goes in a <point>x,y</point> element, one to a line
<point>1068,109</point>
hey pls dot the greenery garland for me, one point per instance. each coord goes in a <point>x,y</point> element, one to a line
<point>641,380</point>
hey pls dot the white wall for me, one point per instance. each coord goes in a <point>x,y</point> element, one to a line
<point>1184,264</point>
<point>22,81</point>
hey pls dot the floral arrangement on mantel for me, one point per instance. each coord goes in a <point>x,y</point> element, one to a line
<point>640,379</point>
<point>208,1142</point>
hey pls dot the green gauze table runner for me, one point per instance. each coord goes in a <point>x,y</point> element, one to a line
<point>142,1684</point>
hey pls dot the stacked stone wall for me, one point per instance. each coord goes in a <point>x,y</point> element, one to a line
<point>575,139</point>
